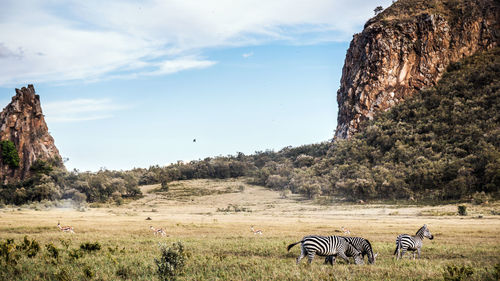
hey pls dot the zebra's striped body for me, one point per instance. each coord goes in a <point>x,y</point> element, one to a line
<point>362,245</point>
<point>405,242</point>
<point>326,246</point>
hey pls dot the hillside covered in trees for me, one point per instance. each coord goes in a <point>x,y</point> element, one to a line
<point>442,144</point>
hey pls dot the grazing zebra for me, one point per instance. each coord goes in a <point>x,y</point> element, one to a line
<point>362,245</point>
<point>405,242</point>
<point>326,246</point>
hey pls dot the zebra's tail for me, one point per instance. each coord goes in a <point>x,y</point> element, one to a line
<point>291,245</point>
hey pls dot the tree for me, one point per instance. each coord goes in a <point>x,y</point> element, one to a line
<point>9,154</point>
<point>378,9</point>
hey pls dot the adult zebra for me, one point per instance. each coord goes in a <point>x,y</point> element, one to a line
<point>405,242</point>
<point>326,246</point>
<point>362,245</point>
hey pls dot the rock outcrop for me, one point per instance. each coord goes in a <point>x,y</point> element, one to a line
<point>406,48</point>
<point>23,123</point>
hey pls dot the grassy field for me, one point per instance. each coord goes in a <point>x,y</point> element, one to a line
<point>212,219</point>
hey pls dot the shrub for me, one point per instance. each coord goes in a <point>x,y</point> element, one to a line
<point>7,249</point>
<point>90,247</point>
<point>9,154</point>
<point>124,272</point>
<point>31,248</point>
<point>89,273</point>
<point>479,198</point>
<point>52,251</point>
<point>171,262</point>
<point>462,210</point>
<point>75,254</point>
<point>457,273</point>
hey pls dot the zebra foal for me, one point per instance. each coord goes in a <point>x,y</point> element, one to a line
<point>362,245</point>
<point>326,246</point>
<point>405,242</point>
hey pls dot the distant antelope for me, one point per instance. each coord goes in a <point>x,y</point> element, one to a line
<point>65,228</point>
<point>158,231</point>
<point>345,230</point>
<point>256,231</point>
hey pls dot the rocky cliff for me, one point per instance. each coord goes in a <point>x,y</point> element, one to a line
<point>23,123</point>
<point>406,48</point>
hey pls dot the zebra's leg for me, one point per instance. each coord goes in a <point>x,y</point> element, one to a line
<point>342,255</point>
<point>403,251</point>
<point>302,254</point>
<point>414,253</point>
<point>418,250</point>
<point>310,257</point>
<point>330,260</point>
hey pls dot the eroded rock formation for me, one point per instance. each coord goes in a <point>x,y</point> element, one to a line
<point>23,123</point>
<point>406,48</point>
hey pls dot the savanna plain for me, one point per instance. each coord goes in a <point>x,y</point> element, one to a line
<point>213,218</point>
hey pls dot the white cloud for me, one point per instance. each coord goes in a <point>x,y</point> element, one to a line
<point>80,110</point>
<point>247,55</point>
<point>91,40</point>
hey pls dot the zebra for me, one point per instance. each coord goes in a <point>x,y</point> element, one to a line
<point>362,245</point>
<point>405,242</point>
<point>326,246</point>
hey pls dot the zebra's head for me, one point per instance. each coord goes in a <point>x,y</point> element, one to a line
<point>371,260</point>
<point>427,232</point>
<point>358,259</point>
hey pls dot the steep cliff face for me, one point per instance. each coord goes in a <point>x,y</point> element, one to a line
<point>23,123</point>
<point>406,48</point>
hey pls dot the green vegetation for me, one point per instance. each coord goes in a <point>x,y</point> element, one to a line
<point>440,145</point>
<point>9,154</point>
<point>455,11</point>
<point>462,210</point>
<point>224,251</point>
<point>50,182</point>
<point>172,261</point>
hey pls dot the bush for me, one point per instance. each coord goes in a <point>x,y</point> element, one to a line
<point>9,154</point>
<point>7,249</point>
<point>462,210</point>
<point>171,262</point>
<point>75,254</point>
<point>90,247</point>
<point>457,273</point>
<point>124,272</point>
<point>52,251</point>
<point>31,248</point>
<point>89,273</point>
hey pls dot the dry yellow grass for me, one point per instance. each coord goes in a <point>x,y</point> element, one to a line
<point>222,246</point>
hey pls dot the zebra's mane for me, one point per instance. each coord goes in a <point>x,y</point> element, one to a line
<point>369,246</point>
<point>420,232</point>
<point>370,252</point>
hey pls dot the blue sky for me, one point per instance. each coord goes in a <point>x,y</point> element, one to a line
<point>131,84</point>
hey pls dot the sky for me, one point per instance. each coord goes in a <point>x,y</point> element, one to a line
<point>127,84</point>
